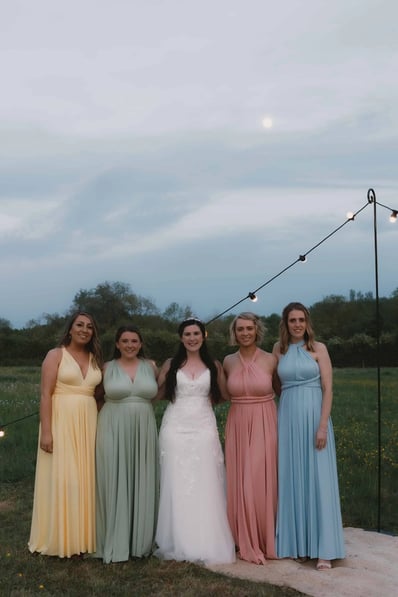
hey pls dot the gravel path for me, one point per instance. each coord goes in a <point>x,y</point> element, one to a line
<point>370,569</point>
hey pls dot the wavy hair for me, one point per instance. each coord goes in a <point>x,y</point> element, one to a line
<point>284,336</point>
<point>248,315</point>
<point>94,346</point>
<point>119,332</point>
<point>180,358</point>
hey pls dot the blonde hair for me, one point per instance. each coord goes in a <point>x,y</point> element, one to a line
<point>260,328</point>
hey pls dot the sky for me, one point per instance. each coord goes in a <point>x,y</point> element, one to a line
<point>133,149</point>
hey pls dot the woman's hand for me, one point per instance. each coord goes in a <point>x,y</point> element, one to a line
<point>46,442</point>
<point>321,438</point>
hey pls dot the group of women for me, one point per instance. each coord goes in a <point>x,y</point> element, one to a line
<point>116,490</point>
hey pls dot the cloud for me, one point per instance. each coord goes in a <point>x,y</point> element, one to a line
<point>132,148</point>
<point>217,66</point>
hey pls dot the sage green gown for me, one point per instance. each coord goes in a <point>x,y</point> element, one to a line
<point>127,467</point>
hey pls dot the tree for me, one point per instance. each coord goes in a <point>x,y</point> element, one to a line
<point>175,312</point>
<point>112,304</point>
<point>347,326</point>
<point>5,324</point>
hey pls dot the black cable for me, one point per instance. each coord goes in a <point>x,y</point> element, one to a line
<point>17,420</point>
<point>300,258</point>
<point>250,295</point>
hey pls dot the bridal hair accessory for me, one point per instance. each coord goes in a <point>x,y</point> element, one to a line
<point>196,320</point>
<point>193,319</point>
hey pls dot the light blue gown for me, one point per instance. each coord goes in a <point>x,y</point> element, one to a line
<point>309,516</point>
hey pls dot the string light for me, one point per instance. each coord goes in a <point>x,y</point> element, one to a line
<point>371,197</point>
<point>2,427</point>
<point>303,258</point>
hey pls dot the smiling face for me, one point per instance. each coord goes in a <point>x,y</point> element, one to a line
<point>192,338</point>
<point>296,325</point>
<point>129,345</point>
<point>82,330</point>
<point>245,332</point>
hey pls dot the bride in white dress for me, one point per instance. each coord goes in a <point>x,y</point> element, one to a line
<point>192,523</point>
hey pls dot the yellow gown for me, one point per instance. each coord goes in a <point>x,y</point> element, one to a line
<point>63,519</point>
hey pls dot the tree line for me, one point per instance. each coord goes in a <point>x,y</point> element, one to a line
<point>348,325</point>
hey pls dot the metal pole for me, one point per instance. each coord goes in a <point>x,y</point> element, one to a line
<point>372,199</point>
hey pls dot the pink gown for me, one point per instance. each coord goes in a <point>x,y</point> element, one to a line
<point>251,461</point>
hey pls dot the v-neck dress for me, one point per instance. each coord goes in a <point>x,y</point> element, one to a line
<point>192,524</point>
<point>309,517</point>
<point>63,520</point>
<point>127,465</point>
<point>251,460</point>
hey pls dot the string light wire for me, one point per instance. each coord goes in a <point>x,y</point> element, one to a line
<point>253,294</point>
<point>2,427</point>
<point>301,258</point>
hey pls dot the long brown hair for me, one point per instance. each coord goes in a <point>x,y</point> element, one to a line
<point>284,336</point>
<point>181,356</point>
<point>93,346</point>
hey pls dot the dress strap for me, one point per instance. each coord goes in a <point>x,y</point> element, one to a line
<point>247,362</point>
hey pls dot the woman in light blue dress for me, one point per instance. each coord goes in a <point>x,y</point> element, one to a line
<point>309,521</point>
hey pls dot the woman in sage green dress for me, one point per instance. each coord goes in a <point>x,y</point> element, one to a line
<point>127,453</point>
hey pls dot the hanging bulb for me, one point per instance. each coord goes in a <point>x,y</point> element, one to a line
<point>253,297</point>
<point>302,258</point>
<point>393,216</point>
<point>350,215</point>
<point>2,433</point>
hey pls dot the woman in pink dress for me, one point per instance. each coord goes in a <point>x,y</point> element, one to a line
<point>251,442</point>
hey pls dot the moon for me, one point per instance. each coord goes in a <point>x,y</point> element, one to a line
<point>267,122</point>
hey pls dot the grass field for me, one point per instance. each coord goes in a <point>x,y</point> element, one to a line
<point>23,574</point>
<point>355,418</point>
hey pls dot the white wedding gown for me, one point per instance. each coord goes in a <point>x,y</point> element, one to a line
<point>192,523</point>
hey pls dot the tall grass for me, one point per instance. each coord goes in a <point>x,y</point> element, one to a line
<point>19,398</point>
<point>23,574</point>
<point>355,419</point>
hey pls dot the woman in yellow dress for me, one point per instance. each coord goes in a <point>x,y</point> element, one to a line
<point>63,520</point>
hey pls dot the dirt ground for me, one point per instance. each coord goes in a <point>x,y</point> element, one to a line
<point>370,569</point>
